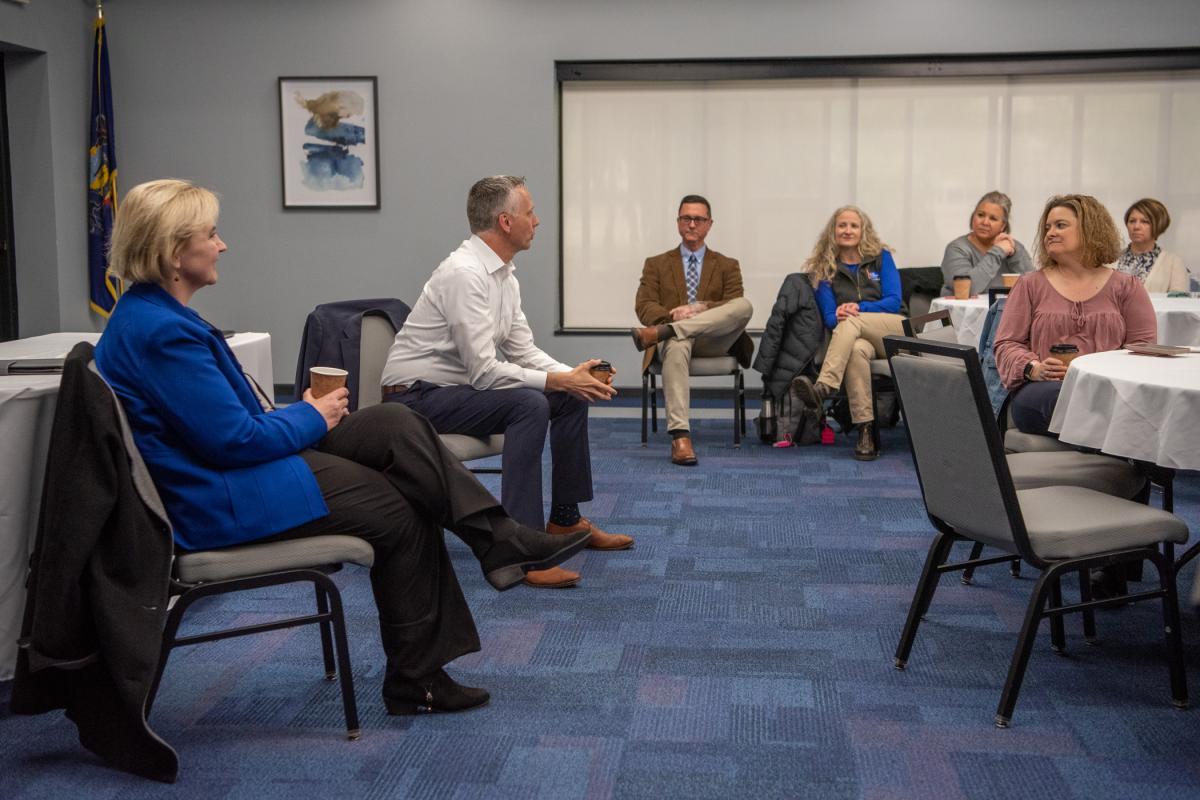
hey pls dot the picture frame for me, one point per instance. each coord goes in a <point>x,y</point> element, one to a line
<point>329,142</point>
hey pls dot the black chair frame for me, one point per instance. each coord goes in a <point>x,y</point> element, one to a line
<point>916,325</point>
<point>329,618</point>
<point>1046,601</point>
<point>650,404</point>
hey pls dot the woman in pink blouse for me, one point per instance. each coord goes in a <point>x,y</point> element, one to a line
<point>1072,299</point>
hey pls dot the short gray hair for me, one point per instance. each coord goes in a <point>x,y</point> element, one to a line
<point>488,198</point>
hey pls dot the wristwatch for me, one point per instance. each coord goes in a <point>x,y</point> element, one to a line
<point>1028,373</point>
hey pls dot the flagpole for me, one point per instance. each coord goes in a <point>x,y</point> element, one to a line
<point>99,9</point>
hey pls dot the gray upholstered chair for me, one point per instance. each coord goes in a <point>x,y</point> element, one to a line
<point>1039,466</point>
<point>376,338</point>
<point>200,574</point>
<point>970,495</point>
<point>700,367</point>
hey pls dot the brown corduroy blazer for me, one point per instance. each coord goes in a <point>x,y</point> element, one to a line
<point>663,287</point>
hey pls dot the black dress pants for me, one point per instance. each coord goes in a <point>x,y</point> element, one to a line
<point>387,478</point>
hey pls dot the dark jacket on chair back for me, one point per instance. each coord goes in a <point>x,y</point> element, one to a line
<point>333,333</point>
<point>792,337</point>
<point>98,585</point>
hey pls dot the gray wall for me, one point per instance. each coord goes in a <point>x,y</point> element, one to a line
<point>466,89</point>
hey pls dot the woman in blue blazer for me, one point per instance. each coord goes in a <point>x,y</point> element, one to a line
<point>231,469</point>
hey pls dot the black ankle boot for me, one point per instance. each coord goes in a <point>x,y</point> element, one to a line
<point>519,549</point>
<point>437,692</point>
<point>865,449</point>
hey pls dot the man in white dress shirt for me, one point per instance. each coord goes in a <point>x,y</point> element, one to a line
<point>466,359</point>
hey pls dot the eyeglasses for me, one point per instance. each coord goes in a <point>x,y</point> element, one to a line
<point>693,220</point>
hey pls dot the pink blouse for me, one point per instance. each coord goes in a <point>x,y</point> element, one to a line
<point>1036,316</point>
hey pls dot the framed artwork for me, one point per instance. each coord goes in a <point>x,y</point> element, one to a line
<point>329,142</point>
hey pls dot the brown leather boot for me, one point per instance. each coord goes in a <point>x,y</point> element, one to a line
<point>644,338</point>
<point>682,452</point>
<point>865,449</point>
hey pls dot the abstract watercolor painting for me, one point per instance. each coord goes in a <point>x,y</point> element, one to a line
<point>329,137</point>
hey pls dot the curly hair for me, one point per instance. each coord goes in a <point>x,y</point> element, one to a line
<point>1099,239</point>
<point>823,262</point>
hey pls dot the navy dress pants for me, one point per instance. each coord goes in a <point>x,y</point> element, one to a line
<point>1033,406</point>
<point>522,415</point>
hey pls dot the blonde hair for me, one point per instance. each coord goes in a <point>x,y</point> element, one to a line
<point>1154,211</point>
<point>822,264</point>
<point>1098,236</point>
<point>154,222</point>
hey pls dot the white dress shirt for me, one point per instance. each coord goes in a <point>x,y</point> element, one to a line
<point>467,318</point>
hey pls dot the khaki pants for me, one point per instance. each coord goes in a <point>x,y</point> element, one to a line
<point>855,341</point>
<point>709,333</point>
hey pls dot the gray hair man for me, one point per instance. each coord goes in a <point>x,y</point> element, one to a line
<point>466,359</point>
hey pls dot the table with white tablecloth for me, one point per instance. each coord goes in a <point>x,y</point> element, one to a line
<point>1136,406</point>
<point>27,405</point>
<point>1178,318</point>
<point>1141,407</point>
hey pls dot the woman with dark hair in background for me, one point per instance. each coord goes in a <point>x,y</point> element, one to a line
<point>1159,271</point>
<point>988,251</point>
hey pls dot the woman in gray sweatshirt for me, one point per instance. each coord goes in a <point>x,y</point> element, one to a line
<point>988,251</point>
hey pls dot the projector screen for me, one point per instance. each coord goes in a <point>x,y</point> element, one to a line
<point>775,157</point>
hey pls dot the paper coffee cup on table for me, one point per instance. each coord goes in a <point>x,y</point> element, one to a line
<point>1010,279</point>
<point>325,379</point>
<point>962,287</point>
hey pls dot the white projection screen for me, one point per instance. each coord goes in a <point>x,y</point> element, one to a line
<point>775,157</point>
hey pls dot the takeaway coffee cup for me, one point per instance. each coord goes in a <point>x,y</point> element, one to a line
<point>325,379</point>
<point>1010,279</point>
<point>602,372</point>
<point>1064,352</point>
<point>962,287</point>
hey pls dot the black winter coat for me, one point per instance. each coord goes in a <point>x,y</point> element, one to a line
<point>794,334</point>
<point>98,585</point>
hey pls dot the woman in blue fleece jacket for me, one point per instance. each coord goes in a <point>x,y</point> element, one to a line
<point>858,291</point>
<point>231,469</point>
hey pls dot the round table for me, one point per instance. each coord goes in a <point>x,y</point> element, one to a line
<point>1178,318</point>
<point>1141,407</point>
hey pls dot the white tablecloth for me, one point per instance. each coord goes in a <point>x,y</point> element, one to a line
<point>26,415</point>
<point>1135,406</point>
<point>1178,318</point>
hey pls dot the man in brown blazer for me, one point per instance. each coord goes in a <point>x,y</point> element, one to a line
<point>690,299</point>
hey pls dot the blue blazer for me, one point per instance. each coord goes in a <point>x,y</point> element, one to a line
<point>228,472</point>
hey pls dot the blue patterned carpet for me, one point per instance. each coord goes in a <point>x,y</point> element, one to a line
<point>743,649</point>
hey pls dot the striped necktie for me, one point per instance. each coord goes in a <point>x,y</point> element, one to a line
<point>692,277</point>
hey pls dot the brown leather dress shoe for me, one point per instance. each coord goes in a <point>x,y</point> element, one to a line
<point>553,578</point>
<point>682,452</point>
<point>644,338</point>
<point>600,540</point>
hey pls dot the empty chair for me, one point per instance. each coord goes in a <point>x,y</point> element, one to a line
<point>970,495</point>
